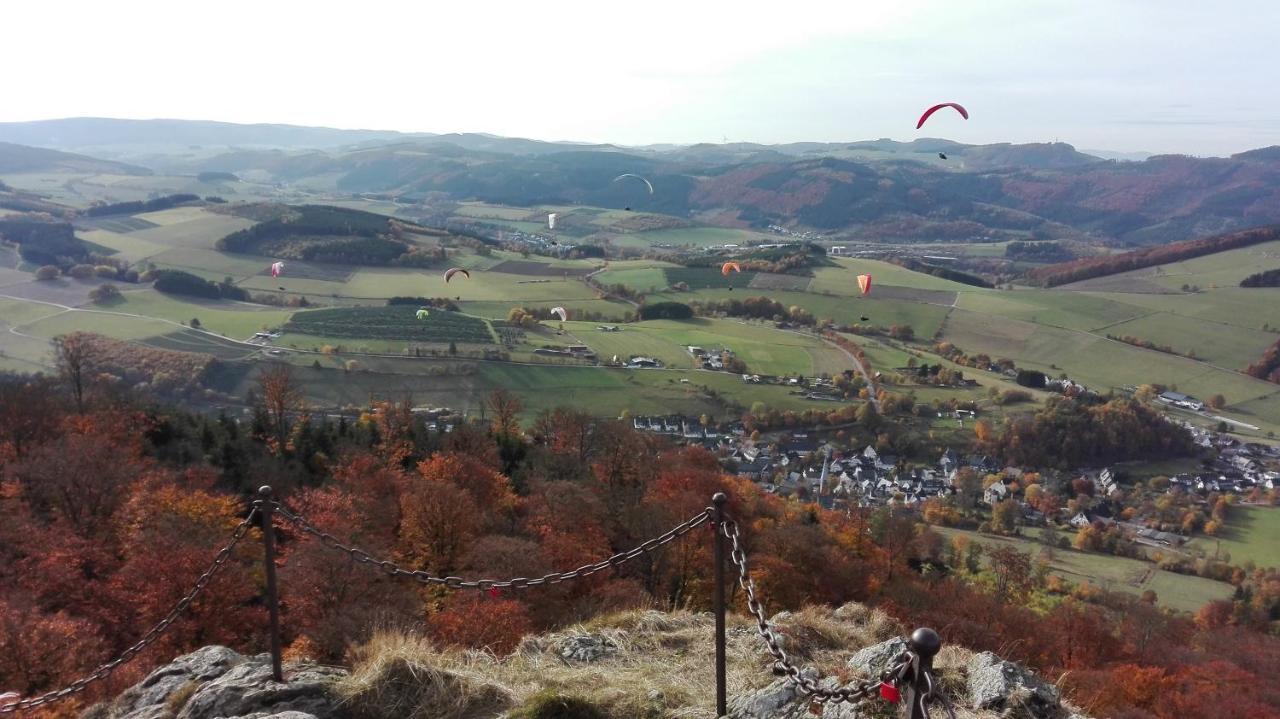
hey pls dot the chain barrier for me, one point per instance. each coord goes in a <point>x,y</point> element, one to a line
<point>852,694</point>
<point>392,569</point>
<point>155,632</point>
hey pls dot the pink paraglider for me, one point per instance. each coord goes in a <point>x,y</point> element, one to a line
<point>927,113</point>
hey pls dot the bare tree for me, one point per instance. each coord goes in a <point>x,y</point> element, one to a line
<point>280,395</point>
<point>74,358</point>
<point>506,408</point>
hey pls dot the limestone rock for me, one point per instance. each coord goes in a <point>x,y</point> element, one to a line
<point>218,683</point>
<point>870,661</point>
<point>587,648</point>
<point>997,684</point>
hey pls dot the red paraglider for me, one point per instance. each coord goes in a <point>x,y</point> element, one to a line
<point>959,108</point>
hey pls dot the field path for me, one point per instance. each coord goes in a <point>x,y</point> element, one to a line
<point>857,363</point>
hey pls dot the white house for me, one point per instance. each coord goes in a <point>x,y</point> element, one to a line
<point>996,493</point>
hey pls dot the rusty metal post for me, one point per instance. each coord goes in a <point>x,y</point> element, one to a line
<point>722,708</point>
<point>273,598</point>
<point>924,643</point>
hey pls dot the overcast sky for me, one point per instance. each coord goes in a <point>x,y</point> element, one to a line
<point>1158,75</point>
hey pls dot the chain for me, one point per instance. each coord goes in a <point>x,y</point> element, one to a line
<point>853,693</point>
<point>105,670</point>
<point>392,569</point>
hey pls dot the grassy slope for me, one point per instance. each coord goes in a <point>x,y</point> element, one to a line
<point>1178,591</point>
<point>1252,534</point>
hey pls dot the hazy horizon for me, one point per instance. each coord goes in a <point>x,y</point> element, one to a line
<point>1113,76</point>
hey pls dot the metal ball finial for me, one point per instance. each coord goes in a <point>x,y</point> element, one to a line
<point>719,498</point>
<point>265,490</point>
<point>925,642</point>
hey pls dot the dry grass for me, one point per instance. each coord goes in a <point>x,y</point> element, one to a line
<point>399,676</point>
<point>179,698</point>
<point>664,666</point>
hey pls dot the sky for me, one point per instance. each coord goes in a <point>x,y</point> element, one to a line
<point>1126,75</point>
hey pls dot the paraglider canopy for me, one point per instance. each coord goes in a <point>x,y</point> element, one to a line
<point>561,313</point>
<point>942,155</point>
<point>730,266</point>
<point>277,268</point>
<point>864,283</point>
<point>449,273</point>
<point>628,174</point>
<point>551,221</point>
<point>422,313</point>
<point>927,113</point>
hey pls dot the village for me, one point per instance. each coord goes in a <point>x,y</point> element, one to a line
<point>801,465</point>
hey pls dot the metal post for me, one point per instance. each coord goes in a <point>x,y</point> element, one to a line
<point>722,708</point>
<point>273,599</point>
<point>924,643</point>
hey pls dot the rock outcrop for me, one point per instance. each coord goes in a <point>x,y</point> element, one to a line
<point>643,663</point>
<point>218,683</point>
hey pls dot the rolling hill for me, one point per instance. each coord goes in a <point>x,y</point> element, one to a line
<point>22,159</point>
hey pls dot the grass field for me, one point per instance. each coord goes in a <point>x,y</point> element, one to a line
<point>1218,343</point>
<point>693,236</point>
<point>924,319</point>
<point>645,279</point>
<point>234,319</point>
<point>497,309</point>
<point>126,246</point>
<point>395,323</point>
<point>1252,534</point>
<point>1249,308</point>
<point>189,227</point>
<point>1133,576</point>
<point>842,280</point>
<point>1102,363</point>
<point>104,323</point>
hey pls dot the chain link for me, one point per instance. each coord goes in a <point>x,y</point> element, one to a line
<point>851,694</point>
<point>155,632</point>
<point>392,569</point>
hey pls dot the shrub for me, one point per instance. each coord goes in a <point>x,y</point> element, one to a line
<point>81,272</point>
<point>550,704</point>
<point>104,293</point>
<point>666,311</point>
<point>105,271</point>
<point>48,272</point>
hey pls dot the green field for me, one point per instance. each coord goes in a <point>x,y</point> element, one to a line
<point>645,280</point>
<point>923,318</point>
<point>102,322</point>
<point>1133,576</point>
<point>395,323</point>
<point>842,280</point>
<point>1102,363</point>
<point>695,237</point>
<point>237,320</point>
<point>1252,534</point>
<point>613,310</point>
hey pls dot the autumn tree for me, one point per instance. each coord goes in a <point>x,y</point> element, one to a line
<point>1004,517</point>
<point>73,355</point>
<point>506,407</point>
<point>1012,571</point>
<point>280,396</point>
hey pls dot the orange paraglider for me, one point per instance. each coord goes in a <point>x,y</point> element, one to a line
<point>864,283</point>
<point>725,271</point>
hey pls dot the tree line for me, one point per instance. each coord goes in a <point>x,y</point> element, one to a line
<point>1103,265</point>
<point>140,206</point>
<point>1269,278</point>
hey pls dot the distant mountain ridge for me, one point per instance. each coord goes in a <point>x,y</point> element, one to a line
<point>867,190</point>
<point>21,158</point>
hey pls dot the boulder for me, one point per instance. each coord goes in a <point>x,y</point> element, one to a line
<point>870,661</point>
<point>587,648</point>
<point>218,683</point>
<point>997,684</point>
<point>780,700</point>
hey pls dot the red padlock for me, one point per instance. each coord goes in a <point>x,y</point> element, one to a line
<point>889,693</point>
<point>495,592</point>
